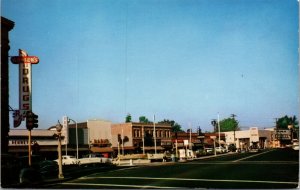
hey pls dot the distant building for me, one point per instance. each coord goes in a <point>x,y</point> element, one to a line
<point>43,142</point>
<point>93,136</point>
<point>246,138</point>
<point>187,140</point>
<point>282,137</point>
<point>83,139</point>
<point>209,139</point>
<point>100,138</point>
<point>139,136</point>
<point>95,133</point>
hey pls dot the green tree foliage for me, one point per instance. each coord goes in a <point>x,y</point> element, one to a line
<point>124,140</point>
<point>229,124</point>
<point>148,139</point>
<point>128,118</point>
<point>143,119</point>
<point>283,122</point>
<point>175,126</point>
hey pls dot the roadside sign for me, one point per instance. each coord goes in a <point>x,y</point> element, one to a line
<point>25,59</point>
<point>25,87</point>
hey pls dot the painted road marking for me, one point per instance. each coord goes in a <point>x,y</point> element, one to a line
<point>188,179</point>
<point>120,185</point>
<point>252,156</point>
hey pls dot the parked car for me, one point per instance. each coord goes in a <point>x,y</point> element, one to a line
<point>221,149</point>
<point>11,168</point>
<point>30,176</point>
<point>93,159</point>
<point>232,148</point>
<point>68,160</point>
<point>296,147</point>
<point>48,168</point>
<point>253,150</point>
<point>208,150</point>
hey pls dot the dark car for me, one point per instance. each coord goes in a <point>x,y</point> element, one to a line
<point>48,168</point>
<point>9,170</point>
<point>30,176</point>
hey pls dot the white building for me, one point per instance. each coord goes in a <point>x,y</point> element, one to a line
<point>94,135</point>
<point>246,138</point>
<point>99,129</point>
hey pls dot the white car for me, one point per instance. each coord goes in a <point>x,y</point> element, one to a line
<point>68,160</point>
<point>296,147</point>
<point>220,149</point>
<point>93,159</point>
<point>208,150</point>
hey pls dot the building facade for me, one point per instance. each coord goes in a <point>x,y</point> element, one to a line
<point>43,142</point>
<point>247,138</point>
<point>100,138</point>
<point>141,137</point>
<point>187,140</point>
<point>6,26</point>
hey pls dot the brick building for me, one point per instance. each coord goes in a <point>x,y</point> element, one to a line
<point>133,134</point>
<point>194,141</point>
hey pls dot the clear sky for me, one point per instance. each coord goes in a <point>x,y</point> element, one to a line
<point>183,60</point>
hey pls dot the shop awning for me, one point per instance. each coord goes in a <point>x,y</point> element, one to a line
<point>101,149</point>
<point>153,148</point>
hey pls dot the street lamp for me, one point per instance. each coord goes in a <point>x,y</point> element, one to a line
<point>58,129</point>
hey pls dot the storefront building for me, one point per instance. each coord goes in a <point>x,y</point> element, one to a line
<point>247,138</point>
<point>139,137</point>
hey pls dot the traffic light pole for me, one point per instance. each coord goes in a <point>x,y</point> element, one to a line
<point>31,122</point>
<point>29,148</point>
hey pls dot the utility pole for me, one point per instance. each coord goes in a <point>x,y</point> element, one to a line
<point>154,134</point>
<point>219,129</point>
<point>143,138</point>
<point>190,145</point>
<point>122,139</point>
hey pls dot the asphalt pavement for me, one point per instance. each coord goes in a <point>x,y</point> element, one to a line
<point>270,169</point>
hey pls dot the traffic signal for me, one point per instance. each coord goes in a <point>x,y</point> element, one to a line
<point>31,120</point>
<point>35,121</point>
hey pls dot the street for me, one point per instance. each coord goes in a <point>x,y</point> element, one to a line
<point>274,168</point>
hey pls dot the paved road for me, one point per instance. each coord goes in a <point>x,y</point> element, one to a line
<point>269,169</point>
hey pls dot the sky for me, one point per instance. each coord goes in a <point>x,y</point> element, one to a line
<point>182,60</point>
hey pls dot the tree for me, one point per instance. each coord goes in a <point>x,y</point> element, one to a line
<point>199,131</point>
<point>128,118</point>
<point>143,119</point>
<point>233,116</point>
<point>229,124</point>
<point>175,127</point>
<point>285,121</point>
<point>148,139</point>
<point>215,124</point>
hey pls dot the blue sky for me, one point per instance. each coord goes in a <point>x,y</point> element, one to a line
<point>184,60</point>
